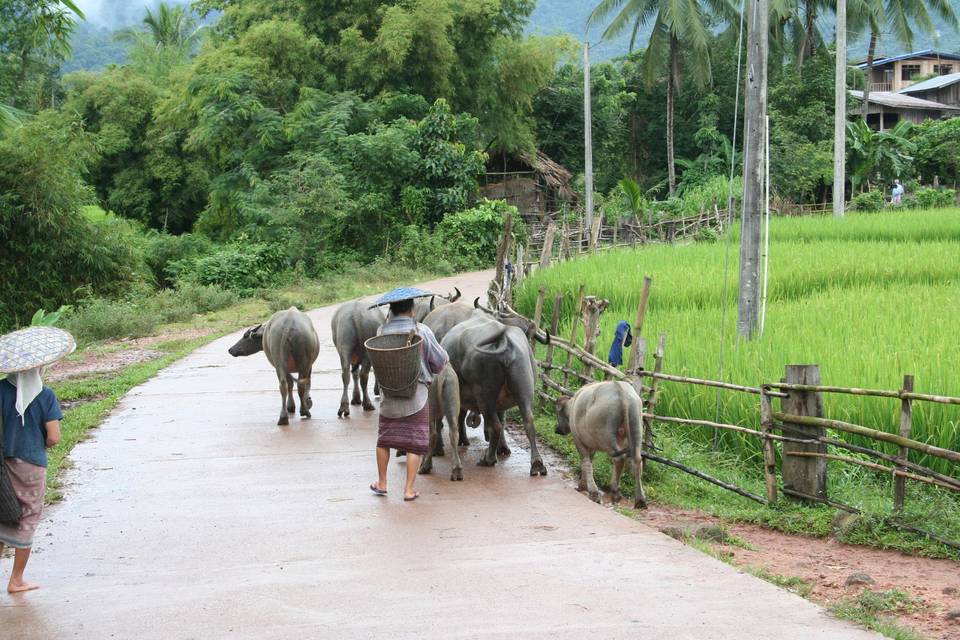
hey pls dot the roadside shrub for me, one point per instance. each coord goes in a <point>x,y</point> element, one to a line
<point>280,300</point>
<point>468,239</point>
<point>166,254</point>
<point>868,201</point>
<point>100,319</point>
<point>929,198</point>
<point>171,307</point>
<point>205,298</point>
<point>49,248</point>
<point>240,268</point>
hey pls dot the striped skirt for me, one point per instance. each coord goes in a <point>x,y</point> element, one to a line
<point>410,433</point>
<point>29,483</point>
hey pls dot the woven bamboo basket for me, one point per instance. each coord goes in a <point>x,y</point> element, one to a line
<point>396,362</point>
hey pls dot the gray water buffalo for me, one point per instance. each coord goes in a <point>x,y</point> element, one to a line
<point>423,306</point>
<point>290,343</point>
<point>496,369</point>
<point>444,401</point>
<point>605,416</point>
<point>352,325</point>
<point>446,317</point>
<point>511,318</point>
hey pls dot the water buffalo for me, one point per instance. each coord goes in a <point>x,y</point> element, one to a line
<point>423,306</point>
<point>444,401</point>
<point>513,319</point>
<point>605,416</point>
<point>290,343</point>
<point>496,369</point>
<point>352,325</point>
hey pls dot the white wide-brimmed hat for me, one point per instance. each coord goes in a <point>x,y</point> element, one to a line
<point>34,347</point>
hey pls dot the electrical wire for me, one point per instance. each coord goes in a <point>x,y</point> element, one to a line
<point>730,207</point>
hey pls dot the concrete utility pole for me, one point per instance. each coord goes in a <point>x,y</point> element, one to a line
<point>587,139</point>
<point>840,112</point>
<point>754,126</point>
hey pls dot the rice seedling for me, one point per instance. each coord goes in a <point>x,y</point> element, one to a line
<point>869,298</point>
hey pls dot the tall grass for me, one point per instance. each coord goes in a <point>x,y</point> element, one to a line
<point>869,298</point>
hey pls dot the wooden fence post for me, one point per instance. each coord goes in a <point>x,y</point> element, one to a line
<point>580,237</point>
<point>575,325</point>
<point>769,454</point>
<point>554,322</point>
<point>653,396</point>
<point>547,252</point>
<point>595,234</point>
<point>804,474</point>
<point>537,313</point>
<point>634,364</point>
<point>906,426</point>
<point>564,242</point>
<point>593,307</point>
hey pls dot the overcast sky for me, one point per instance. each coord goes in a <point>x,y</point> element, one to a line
<point>118,13</point>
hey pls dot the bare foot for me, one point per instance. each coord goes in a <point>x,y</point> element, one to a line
<point>21,586</point>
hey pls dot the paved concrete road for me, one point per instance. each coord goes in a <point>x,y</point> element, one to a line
<point>190,514</point>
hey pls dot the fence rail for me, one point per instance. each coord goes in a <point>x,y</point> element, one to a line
<point>799,467</point>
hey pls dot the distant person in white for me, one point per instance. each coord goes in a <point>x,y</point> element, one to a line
<point>897,192</point>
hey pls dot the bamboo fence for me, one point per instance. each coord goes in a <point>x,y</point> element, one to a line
<point>803,438</point>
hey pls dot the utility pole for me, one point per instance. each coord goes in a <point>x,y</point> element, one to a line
<point>587,141</point>
<point>840,112</point>
<point>754,126</point>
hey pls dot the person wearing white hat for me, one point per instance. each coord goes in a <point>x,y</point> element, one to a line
<point>30,423</point>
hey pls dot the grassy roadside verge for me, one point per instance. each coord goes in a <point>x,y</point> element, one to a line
<point>672,487</point>
<point>89,398</point>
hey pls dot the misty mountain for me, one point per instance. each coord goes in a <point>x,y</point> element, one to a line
<point>570,16</point>
<point>116,14</point>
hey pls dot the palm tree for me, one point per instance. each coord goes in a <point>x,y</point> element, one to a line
<point>678,25</point>
<point>900,16</point>
<point>170,27</point>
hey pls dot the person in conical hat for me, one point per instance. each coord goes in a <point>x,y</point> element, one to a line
<point>30,421</point>
<point>405,422</point>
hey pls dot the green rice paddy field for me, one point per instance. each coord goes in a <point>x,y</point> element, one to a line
<point>869,298</point>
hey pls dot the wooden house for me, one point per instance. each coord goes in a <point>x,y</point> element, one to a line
<point>536,185</point>
<point>893,73</point>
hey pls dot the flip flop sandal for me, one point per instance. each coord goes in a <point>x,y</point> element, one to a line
<point>412,498</point>
<point>379,492</point>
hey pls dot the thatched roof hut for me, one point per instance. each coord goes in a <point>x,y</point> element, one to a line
<point>536,185</point>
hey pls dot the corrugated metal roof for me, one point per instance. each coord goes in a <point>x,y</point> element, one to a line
<point>926,53</point>
<point>933,83</point>
<point>901,101</point>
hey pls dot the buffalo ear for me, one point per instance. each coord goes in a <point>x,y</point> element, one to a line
<point>256,332</point>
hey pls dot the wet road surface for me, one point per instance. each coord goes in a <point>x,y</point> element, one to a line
<point>190,514</point>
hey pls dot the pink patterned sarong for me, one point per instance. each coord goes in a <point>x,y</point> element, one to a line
<point>410,433</point>
<point>29,483</point>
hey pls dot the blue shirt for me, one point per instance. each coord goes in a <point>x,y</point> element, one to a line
<point>27,440</point>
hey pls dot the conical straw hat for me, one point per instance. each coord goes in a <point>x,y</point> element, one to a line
<point>34,347</point>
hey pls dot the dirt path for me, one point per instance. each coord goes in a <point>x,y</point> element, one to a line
<point>189,514</point>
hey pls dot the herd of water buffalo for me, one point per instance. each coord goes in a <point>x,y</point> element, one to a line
<point>491,369</point>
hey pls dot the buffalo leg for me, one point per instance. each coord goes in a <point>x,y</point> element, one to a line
<point>344,410</point>
<point>491,419</point>
<point>284,390</point>
<point>355,371</point>
<point>536,462</point>
<point>615,479</point>
<point>426,464</point>
<point>503,449</point>
<point>456,470</point>
<point>306,402</point>
<point>364,377</point>
<point>587,480</point>
<point>291,405</point>
<point>462,429</point>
